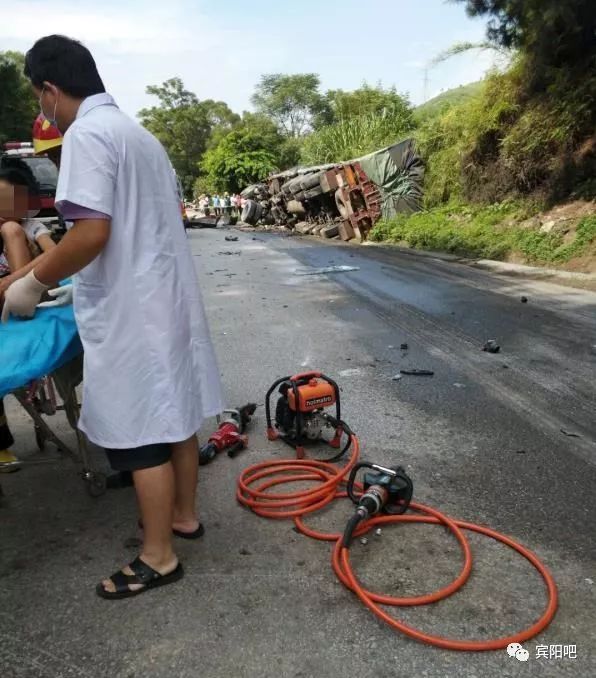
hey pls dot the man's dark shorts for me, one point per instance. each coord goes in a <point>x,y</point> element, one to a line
<point>137,458</point>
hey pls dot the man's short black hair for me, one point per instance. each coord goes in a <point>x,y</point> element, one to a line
<point>66,63</point>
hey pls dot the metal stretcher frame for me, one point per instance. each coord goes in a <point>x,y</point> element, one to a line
<point>39,400</point>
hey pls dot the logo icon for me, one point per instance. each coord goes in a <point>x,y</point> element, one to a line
<point>517,651</point>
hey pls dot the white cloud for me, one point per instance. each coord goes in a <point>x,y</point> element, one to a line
<point>138,46</point>
<point>221,55</point>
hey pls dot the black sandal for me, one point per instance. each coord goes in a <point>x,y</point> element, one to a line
<point>143,574</point>
<point>199,532</point>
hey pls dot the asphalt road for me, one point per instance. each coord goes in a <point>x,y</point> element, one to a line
<point>482,439</point>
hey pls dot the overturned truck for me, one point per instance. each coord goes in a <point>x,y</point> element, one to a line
<point>339,200</point>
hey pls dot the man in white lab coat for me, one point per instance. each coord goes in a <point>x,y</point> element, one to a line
<point>150,370</point>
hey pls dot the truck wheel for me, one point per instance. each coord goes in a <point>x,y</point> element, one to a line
<point>249,212</point>
<point>295,185</point>
<point>314,192</point>
<point>310,181</point>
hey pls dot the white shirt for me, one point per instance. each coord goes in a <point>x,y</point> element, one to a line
<point>150,373</point>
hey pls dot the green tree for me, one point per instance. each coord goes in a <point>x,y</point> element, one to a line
<point>555,33</point>
<point>18,105</point>
<point>365,100</point>
<point>238,160</point>
<point>286,150</point>
<point>293,102</point>
<point>184,125</point>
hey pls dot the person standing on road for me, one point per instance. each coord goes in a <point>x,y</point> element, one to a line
<point>150,373</point>
<point>238,205</point>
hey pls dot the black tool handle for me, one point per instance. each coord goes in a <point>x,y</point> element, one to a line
<point>235,449</point>
<point>352,479</point>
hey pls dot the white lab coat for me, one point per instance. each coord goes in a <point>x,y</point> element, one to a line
<point>150,373</point>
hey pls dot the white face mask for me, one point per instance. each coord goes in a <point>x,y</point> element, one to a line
<point>51,120</point>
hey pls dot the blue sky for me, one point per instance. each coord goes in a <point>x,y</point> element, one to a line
<point>221,48</point>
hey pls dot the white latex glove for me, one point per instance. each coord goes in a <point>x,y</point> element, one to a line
<point>62,297</point>
<point>22,297</point>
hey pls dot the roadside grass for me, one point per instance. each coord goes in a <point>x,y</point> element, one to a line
<point>488,232</point>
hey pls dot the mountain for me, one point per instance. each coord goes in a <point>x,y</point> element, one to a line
<point>445,100</point>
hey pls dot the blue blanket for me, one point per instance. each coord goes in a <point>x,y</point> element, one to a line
<point>30,349</point>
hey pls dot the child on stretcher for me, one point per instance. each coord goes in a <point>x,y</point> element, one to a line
<point>22,237</point>
<point>22,240</point>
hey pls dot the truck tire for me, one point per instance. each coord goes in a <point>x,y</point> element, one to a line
<point>312,193</point>
<point>249,212</point>
<point>285,189</point>
<point>310,181</point>
<point>295,186</point>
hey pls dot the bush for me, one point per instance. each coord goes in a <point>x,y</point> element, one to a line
<point>506,141</point>
<point>356,136</point>
<point>480,233</point>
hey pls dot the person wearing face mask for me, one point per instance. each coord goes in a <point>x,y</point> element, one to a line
<point>150,374</point>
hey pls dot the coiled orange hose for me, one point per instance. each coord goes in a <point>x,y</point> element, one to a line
<point>328,478</point>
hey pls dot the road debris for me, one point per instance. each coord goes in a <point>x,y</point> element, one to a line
<point>458,385</point>
<point>491,346</point>
<point>417,373</point>
<point>396,377</point>
<point>404,347</point>
<point>364,541</point>
<point>524,300</point>
<point>230,252</point>
<point>325,269</point>
<point>351,372</point>
<point>378,531</point>
<point>231,238</point>
<point>570,434</point>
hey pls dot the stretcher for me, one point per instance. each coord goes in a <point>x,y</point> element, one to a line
<point>41,364</point>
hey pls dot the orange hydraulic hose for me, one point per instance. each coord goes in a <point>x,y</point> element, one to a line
<point>434,517</point>
<point>329,478</point>
<point>449,643</point>
<point>289,505</point>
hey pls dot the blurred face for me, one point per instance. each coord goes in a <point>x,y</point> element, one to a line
<point>14,201</point>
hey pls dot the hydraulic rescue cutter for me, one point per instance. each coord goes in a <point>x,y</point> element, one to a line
<point>230,435</point>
